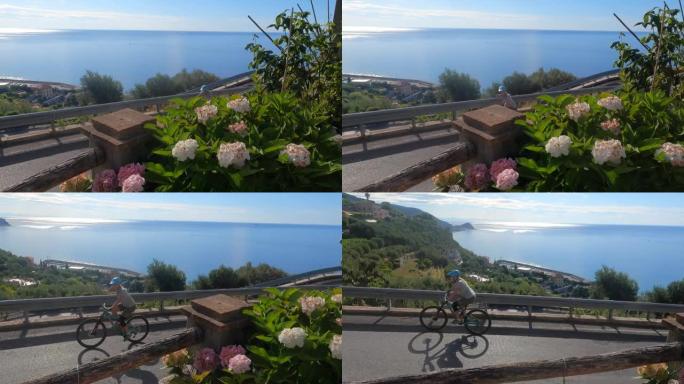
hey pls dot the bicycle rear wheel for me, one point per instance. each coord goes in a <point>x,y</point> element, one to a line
<point>477,322</point>
<point>91,333</point>
<point>138,328</point>
<point>433,318</point>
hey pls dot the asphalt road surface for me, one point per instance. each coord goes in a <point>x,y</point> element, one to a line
<point>368,162</point>
<point>376,347</point>
<point>35,353</point>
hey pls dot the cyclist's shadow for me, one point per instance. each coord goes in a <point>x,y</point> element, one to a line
<point>442,356</point>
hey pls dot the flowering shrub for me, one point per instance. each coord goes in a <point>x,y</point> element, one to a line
<point>80,183</point>
<point>659,374</point>
<point>130,178</point>
<point>262,142</point>
<point>298,337</point>
<point>447,180</point>
<point>625,142</point>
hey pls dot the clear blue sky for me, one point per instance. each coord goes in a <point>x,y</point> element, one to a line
<point>499,14</point>
<point>207,15</point>
<point>560,208</point>
<point>288,208</point>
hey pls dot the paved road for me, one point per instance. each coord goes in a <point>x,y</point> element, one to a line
<point>368,162</point>
<point>376,347</point>
<point>38,352</point>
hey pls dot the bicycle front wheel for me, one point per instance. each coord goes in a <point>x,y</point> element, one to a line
<point>433,318</point>
<point>91,333</point>
<point>138,328</point>
<point>477,322</point>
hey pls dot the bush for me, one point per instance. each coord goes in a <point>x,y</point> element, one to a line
<point>520,84</point>
<point>195,79</point>
<point>267,124</point>
<point>614,285</point>
<point>317,361</point>
<point>101,89</point>
<point>459,86</point>
<point>164,277</point>
<point>220,278</point>
<point>159,85</point>
<point>641,123</point>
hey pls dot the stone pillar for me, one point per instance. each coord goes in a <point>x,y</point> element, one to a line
<point>220,318</point>
<point>676,326</point>
<point>121,136</point>
<point>491,131</point>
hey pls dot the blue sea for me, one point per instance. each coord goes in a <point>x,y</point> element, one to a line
<point>128,56</point>
<point>194,247</point>
<point>488,55</point>
<point>652,255</point>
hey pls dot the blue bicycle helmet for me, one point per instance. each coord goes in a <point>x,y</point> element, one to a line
<point>454,273</point>
<point>116,281</point>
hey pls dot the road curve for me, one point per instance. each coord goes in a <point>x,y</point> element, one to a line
<point>376,347</point>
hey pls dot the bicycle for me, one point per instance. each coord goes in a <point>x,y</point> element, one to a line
<point>435,317</point>
<point>93,332</point>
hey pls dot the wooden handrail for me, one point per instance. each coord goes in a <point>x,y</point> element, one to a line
<point>53,176</point>
<point>407,178</point>
<point>545,369</point>
<point>102,369</point>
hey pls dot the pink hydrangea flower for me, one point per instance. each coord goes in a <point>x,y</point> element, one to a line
<point>477,177</point>
<point>240,364</point>
<point>501,165</point>
<point>205,360</point>
<point>297,154</point>
<point>507,180</point>
<point>105,181</point>
<point>134,183</point>
<point>130,169</point>
<point>612,126</point>
<point>674,153</point>
<point>239,128</point>
<point>230,351</point>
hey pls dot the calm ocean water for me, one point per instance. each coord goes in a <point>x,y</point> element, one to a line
<point>129,56</point>
<point>652,255</point>
<point>194,247</point>
<point>487,55</point>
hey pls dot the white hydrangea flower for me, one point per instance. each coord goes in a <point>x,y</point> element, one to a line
<point>206,112</point>
<point>336,347</point>
<point>337,298</point>
<point>310,304</point>
<point>292,337</point>
<point>611,103</point>
<point>608,151</point>
<point>240,105</point>
<point>674,153</point>
<point>185,149</point>
<point>577,110</point>
<point>234,154</point>
<point>298,155</point>
<point>559,146</point>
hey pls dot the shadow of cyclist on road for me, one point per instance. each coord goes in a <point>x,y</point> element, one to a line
<point>442,356</point>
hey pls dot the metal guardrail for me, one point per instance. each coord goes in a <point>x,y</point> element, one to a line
<point>515,300</point>
<point>584,80</point>
<point>46,117</point>
<point>303,277</point>
<point>52,303</point>
<point>388,115</point>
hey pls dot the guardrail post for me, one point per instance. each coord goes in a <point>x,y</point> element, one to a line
<point>26,317</point>
<point>492,131</point>
<point>161,306</point>
<point>389,304</point>
<point>676,326</point>
<point>610,314</point>
<point>80,312</point>
<point>413,123</point>
<point>220,319</point>
<point>120,135</point>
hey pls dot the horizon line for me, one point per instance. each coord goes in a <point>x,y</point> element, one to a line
<point>87,221</point>
<point>414,29</point>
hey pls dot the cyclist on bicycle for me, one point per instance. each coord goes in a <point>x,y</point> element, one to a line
<point>124,305</point>
<point>460,294</point>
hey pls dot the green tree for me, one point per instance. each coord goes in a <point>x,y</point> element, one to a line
<point>459,86</point>
<point>164,277</point>
<point>614,285</point>
<point>551,78</point>
<point>162,85</point>
<point>220,278</point>
<point>658,295</point>
<point>101,89</point>
<point>519,84</point>
<point>675,291</point>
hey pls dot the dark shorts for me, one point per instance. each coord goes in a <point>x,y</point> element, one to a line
<point>462,303</point>
<point>125,314</point>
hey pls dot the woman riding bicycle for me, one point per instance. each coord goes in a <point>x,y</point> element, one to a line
<point>460,294</point>
<point>124,305</point>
